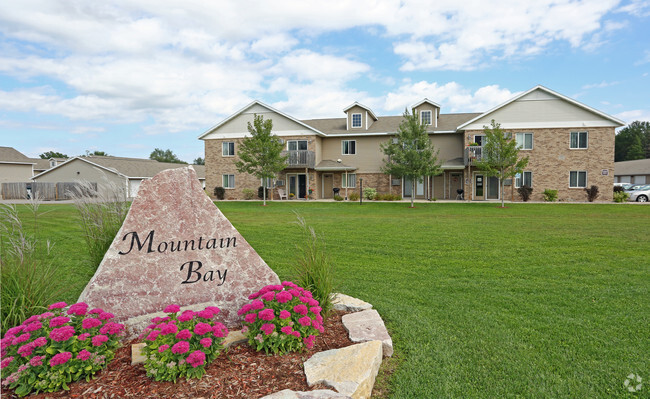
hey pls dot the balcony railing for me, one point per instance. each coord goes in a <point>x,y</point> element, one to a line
<point>300,159</point>
<point>473,153</point>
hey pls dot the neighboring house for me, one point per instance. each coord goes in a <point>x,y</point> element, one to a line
<point>570,146</point>
<point>122,172</point>
<point>15,167</point>
<point>44,164</point>
<point>635,172</point>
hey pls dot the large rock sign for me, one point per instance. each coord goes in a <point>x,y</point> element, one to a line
<point>176,246</point>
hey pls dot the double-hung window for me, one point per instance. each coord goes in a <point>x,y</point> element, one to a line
<point>349,180</point>
<point>228,181</point>
<point>578,140</point>
<point>297,145</point>
<point>425,117</point>
<point>577,179</point>
<point>524,141</point>
<point>228,149</point>
<point>356,120</point>
<point>348,147</point>
<point>524,179</point>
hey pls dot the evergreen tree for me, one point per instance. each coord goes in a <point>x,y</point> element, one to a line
<point>633,142</point>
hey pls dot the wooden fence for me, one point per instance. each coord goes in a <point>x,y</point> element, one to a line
<point>43,191</point>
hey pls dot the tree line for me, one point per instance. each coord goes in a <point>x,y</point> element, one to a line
<point>156,155</point>
<point>633,142</point>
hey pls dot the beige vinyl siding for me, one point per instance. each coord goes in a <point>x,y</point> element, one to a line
<point>435,111</point>
<point>15,173</point>
<point>449,145</point>
<point>366,118</point>
<point>78,170</point>
<point>239,124</point>
<point>439,186</point>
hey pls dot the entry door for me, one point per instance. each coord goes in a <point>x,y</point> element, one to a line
<point>479,187</point>
<point>408,188</point>
<point>455,183</point>
<point>493,188</point>
<point>302,186</point>
<point>328,185</point>
<point>293,185</point>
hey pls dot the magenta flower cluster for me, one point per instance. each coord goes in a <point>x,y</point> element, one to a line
<point>282,318</point>
<point>54,343</point>
<point>180,339</point>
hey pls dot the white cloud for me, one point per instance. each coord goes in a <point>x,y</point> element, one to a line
<point>638,8</point>
<point>634,115</point>
<point>600,85</point>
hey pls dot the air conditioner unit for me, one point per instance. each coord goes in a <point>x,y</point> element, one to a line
<point>279,183</point>
<point>281,141</point>
<point>395,140</point>
<point>396,182</point>
<point>507,182</point>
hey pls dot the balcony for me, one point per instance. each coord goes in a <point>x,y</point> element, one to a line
<point>300,158</point>
<point>473,153</point>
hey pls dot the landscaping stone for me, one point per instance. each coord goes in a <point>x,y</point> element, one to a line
<point>176,247</point>
<point>136,353</point>
<point>317,394</point>
<point>234,338</point>
<point>368,326</point>
<point>349,304</point>
<point>351,370</point>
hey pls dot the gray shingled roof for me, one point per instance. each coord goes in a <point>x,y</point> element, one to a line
<point>629,168</point>
<point>10,154</point>
<point>138,167</point>
<point>387,124</point>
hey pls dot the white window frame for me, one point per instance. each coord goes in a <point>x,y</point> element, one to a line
<point>343,152</point>
<point>298,145</point>
<point>360,121</point>
<point>577,172</point>
<point>521,178</point>
<point>226,180</point>
<point>523,141</point>
<point>430,117</point>
<point>230,144</point>
<point>482,139</point>
<point>586,133</point>
<point>351,178</point>
<point>269,182</point>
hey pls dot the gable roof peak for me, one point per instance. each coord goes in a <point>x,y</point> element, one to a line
<point>357,104</point>
<point>426,100</point>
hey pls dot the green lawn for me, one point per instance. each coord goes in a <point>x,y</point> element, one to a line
<point>536,300</point>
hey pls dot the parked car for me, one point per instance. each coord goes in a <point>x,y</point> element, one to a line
<point>624,185</point>
<point>641,194</point>
<point>634,187</point>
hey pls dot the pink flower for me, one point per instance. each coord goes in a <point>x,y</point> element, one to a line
<point>287,330</point>
<point>254,295</point>
<point>257,304</point>
<point>244,329</point>
<point>6,361</point>
<point>285,314</point>
<point>151,337</point>
<point>184,334</point>
<point>312,302</point>
<point>220,330</point>
<point>268,328</point>
<point>206,342</point>
<point>40,341</point>
<point>315,309</point>
<point>196,358</point>
<point>250,318</point>
<point>163,347</point>
<point>111,328</point>
<point>295,293</point>
<point>245,309</point>
<point>169,329</point>
<point>186,316</point>
<point>45,315</point>
<point>96,311</point>
<point>304,299</point>
<point>33,326</point>
<point>78,308</point>
<point>205,314</point>
<point>181,347</point>
<point>36,361</point>
<point>300,309</point>
<point>84,355</point>
<point>60,358</point>
<point>309,341</point>
<point>83,337</point>
<point>26,350</point>
<point>21,338</point>
<point>296,334</point>
<point>87,324</point>
<point>289,284</point>
<point>156,320</point>
<point>58,305</point>
<point>284,297</point>
<point>14,330</point>
<point>304,321</point>
<point>58,321</point>
<point>62,333</point>
<point>172,309</point>
<point>269,296</point>
<point>202,328</point>
<point>215,310</point>
<point>307,294</point>
<point>106,316</point>
<point>267,314</point>
<point>98,340</point>
<point>30,319</point>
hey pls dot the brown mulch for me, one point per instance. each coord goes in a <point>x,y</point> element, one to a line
<point>239,372</point>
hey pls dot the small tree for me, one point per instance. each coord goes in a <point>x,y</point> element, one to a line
<point>410,154</point>
<point>97,153</point>
<point>500,156</point>
<point>261,154</point>
<point>199,161</point>
<point>164,156</point>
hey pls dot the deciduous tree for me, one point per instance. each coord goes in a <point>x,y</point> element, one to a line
<point>52,154</point>
<point>164,156</point>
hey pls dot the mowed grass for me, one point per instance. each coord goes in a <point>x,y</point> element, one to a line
<point>536,300</point>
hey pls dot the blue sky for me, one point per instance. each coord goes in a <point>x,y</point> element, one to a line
<point>129,76</point>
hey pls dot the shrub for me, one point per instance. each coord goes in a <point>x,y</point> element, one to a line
<point>282,318</point>
<point>27,274</point>
<point>52,349</point>
<point>369,193</point>
<point>102,213</point>
<point>313,268</point>
<point>249,193</point>
<point>619,189</point>
<point>260,192</point>
<point>338,198</point>
<point>550,195</point>
<point>621,196</point>
<point>592,193</point>
<point>353,196</point>
<point>388,197</point>
<point>220,193</point>
<point>182,345</point>
<point>524,192</point>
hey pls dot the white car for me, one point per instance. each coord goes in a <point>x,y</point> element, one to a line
<point>641,194</point>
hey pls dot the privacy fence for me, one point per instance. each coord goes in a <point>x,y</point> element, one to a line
<point>44,191</point>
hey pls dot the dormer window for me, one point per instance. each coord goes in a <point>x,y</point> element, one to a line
<point>425,117</point>
<point>356,120</point>
<point>52,163</point>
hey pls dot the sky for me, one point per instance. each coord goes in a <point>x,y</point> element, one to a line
<point>126,77</point>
